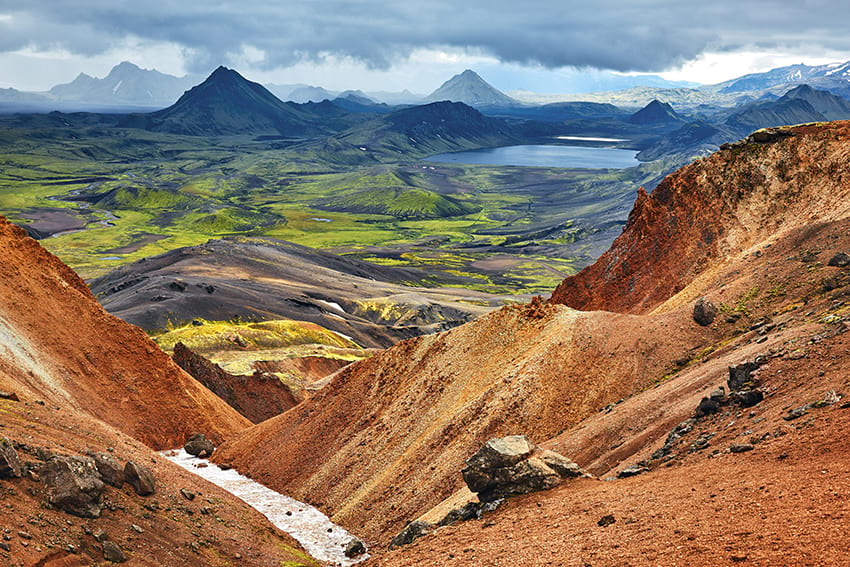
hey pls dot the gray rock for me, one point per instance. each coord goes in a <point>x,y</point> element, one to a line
<point>796,413</point>
<point>199,446</point>
<point>113,553</point>
<point>740,376</point>
<point>632,471</point>
<point>748,398</point>
<point>560,464</point>
<point>73,485</point>
<point>140,478</point>
<point>606,520</point>
<point>469,511</point>
<point>411,532</point>
<point>10,464</point>
<point>741,448</point>
<point>509,466</point>
<point>840,260</point>
<point>704,312</point>
<point>187,494</point>
<point>110,470</point>
<point>354,548</point>
<point>530,475</point>
<point>718,395</point>
<point>707,406</point>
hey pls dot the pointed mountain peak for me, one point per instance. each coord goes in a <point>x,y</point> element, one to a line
<point>469,88</point>
<point>654,113</point>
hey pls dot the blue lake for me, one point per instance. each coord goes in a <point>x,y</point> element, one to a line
<point>544,156</point>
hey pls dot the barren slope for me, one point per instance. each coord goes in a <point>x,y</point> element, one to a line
<point>705,213</point>
<point>752,228</point>
<point>58,345</point>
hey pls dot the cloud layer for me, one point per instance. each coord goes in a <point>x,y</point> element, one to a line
<point>633,35</point>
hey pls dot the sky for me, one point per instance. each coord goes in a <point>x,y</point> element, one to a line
<point>539,45</point>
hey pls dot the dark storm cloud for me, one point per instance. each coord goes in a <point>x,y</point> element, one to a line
<point>635,35</point>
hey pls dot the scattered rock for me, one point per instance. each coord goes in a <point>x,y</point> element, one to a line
<point>411,532</point>
<point>795,413</point>
<point>748,398</point>
<point>73,485</point>
<point>632,471</point>
<point>469,511</point>
<point>110,470</point>
<point>741,448</point>
<point>113,553</point>
<point>9,396</point>
<point>606,520</point>
<point>178,285</point>
<point>140,478</point>
<point>355,548</point>
<point>718,395</point>
<point>701,442</point>
<point>187,494</point>
<point>840,260</point>
<point>740,376</point>
<point>704,312</point>
<point>808,256</point>
<point>137,529</point>
<point>10,464</point>
<point>768,135</point>
<point>512,465</point>
<point>199,446</point>
<point>5,546</point>
<point>707,406</point>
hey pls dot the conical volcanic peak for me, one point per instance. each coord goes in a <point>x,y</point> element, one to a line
<point>469,88</point>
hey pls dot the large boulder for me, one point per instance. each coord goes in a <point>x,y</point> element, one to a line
<point>110,470</point>
<point>73,485</point>
<point>10,464</point>
<point>512,465</point>
<point>140,478</point>
<point>199,446</point>
<point>704,312</point>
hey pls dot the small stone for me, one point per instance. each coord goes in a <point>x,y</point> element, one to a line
<point>840,260</point>
<point>24,535</point>
<point>113,553</point>
<point>5,546</point>
<point>704,312</point>
<point>741,448</point>
<point>199,446</point>
<point>12,396</point>
<point>795,413</point>
<point>137,529</point>
<point>354,548</point>
<point>10,464</point>
<point>632,471</point>
<point>411,532</point>
<point>187,494</point>
<point>606,520</point>
<point>140,478</point>
<point>707,406</point>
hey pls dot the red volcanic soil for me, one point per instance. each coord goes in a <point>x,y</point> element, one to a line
<point>63,348</point>
<point>214,528</point>
<point>708,211</point>
<point>752,229</point>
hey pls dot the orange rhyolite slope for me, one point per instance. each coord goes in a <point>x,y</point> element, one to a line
<point>58,345</point>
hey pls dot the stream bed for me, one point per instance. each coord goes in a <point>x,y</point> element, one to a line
<point>320,537</point>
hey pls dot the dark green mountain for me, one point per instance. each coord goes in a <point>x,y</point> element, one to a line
<point>656,112</point>
<point>429,129</point>
<point>228,104</point>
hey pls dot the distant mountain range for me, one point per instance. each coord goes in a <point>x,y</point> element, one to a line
<point>126,84</point>
<point>469,88</point>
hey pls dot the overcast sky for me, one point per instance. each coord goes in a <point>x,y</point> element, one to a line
<point>391,45</point>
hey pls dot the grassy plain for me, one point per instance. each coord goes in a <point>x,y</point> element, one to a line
<point>141,193</point>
